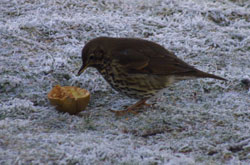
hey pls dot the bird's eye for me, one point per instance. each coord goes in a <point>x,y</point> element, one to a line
<point>91,57</point>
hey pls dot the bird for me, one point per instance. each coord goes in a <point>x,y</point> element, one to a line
<point>137,67</point>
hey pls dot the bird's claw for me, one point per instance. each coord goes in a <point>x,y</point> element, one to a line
<point>124,112</point>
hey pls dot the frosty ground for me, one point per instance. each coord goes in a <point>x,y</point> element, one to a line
<point>202,121</point>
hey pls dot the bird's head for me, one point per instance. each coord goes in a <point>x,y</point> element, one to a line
<point>92,54</point>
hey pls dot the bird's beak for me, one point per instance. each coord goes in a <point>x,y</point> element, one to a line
<point>82,69</point>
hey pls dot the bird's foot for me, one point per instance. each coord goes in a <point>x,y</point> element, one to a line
<point>148,105</point>
<point>133,109</point>
<point>125,112</point>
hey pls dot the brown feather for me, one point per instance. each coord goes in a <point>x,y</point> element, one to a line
<point>145,59</point>
<point>130,59</point>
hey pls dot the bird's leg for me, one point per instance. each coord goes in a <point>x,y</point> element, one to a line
<point>132,108</point>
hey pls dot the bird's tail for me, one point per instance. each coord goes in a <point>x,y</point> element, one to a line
<point>195,73</point>
<point>200,74</point>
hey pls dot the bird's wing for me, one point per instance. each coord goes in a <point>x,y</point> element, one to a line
<point>130,59</point>
<point>149,62</point>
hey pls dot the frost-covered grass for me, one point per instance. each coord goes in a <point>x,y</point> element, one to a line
<point>201,121</point>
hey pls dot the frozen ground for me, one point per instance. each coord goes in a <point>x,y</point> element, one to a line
<point>202,121</point>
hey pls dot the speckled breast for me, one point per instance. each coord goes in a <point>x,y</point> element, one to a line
<point>133,85</point>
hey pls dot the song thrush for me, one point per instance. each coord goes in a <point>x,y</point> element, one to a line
<point>137,68</point>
